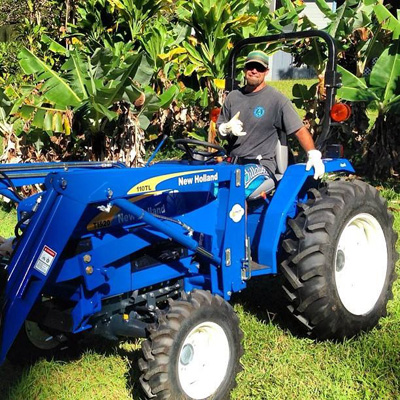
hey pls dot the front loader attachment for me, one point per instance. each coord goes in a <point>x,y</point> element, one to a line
<point>94,233</point>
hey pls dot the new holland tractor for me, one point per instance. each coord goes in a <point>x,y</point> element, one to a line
<point>157,252</point>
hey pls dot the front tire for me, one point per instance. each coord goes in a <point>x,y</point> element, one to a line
<point>339,260</point>
<point>194,351</point>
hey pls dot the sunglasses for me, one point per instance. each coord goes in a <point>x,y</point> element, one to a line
<point>254,65</point>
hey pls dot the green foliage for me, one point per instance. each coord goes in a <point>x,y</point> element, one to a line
<point>10,71</point>
<point>357,35</point>
<point>381,87</point>
<point>387,20</point>
<point>86,86</point>
<point>104,22</point>
<point>217,26</point>
<point>380,90</point>
<point>367,37</point>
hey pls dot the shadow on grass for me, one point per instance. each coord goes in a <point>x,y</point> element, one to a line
<point>11,375</point>
<point>7,207</point>
<point>108,348</point>
<point>264,298</point>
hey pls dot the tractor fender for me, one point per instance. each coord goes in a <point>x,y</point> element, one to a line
<point>283,205</point>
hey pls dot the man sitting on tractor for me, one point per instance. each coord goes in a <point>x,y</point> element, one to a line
<point>252,118</point>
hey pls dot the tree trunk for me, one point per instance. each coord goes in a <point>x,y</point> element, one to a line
<point>382,150</point>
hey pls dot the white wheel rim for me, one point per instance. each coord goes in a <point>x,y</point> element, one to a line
<point>203,360</point>
<point>361,264</point>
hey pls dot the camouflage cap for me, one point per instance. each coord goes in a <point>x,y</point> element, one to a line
<point>259,57</point>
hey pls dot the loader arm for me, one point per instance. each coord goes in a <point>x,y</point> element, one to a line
<point>43,261</point>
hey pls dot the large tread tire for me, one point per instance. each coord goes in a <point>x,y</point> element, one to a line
<point>313,260</point>
<point>163,350</point>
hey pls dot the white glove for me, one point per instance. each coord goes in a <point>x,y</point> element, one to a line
<point>234,126</point>
<point>314,160</point>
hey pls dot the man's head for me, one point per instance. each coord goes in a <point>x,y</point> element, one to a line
<point>256,69</point>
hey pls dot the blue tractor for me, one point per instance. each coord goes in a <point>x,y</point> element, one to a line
<point>157,252</point>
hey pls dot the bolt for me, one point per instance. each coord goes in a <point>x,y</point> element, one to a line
<point>63,183</point>
<point>109,193</point>
<point>89,270</point>
<point>229,293</point>
<point>87,258</point>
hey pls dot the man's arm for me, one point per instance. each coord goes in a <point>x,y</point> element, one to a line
<point>314,156</point>
<point>305,139</point>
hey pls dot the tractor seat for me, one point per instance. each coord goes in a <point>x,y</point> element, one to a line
<point>257,180</point>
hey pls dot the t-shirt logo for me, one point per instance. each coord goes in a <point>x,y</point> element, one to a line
<point>259,112</point>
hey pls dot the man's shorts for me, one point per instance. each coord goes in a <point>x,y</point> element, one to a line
<point>254,176</point>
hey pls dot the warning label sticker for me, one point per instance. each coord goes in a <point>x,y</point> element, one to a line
<point>45,260</point>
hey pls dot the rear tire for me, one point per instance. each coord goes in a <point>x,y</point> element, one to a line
<point>340,258</point>
<point>194,351</point>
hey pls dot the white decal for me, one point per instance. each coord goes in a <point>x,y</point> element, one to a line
<point>106,208</point>
<point>342,165</point>
<point>236,213</point>
<point>45,260</point>
<point>197,179</point>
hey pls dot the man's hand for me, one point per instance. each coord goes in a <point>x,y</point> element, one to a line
<point>314,160</point>
<point>234,126</point>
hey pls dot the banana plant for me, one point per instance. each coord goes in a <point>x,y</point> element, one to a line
<point>161,41</point>
<point>105,22</point>
<point>84,83</point>
<point>387,19</point>
<point>361,37</point>
<point>358,37</point>
<point>217,25</point>
<point>88,94</point>
<point>136,14</point>
<point>381,92</point>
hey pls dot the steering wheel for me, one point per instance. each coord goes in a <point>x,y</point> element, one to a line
<point>192,153</point>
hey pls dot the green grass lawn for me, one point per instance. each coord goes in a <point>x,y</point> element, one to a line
<point>276,364</point>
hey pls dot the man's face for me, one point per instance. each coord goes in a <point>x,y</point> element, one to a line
<point>255,73</point>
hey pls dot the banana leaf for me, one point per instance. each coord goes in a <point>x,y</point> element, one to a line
<point>389,22</point>
<point>5,102</point>
<point>56,89</point>
<point>354,88</point>
<point>386,73</point>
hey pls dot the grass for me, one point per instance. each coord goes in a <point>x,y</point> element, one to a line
<point>277,364</point>
<point>286,86</point>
